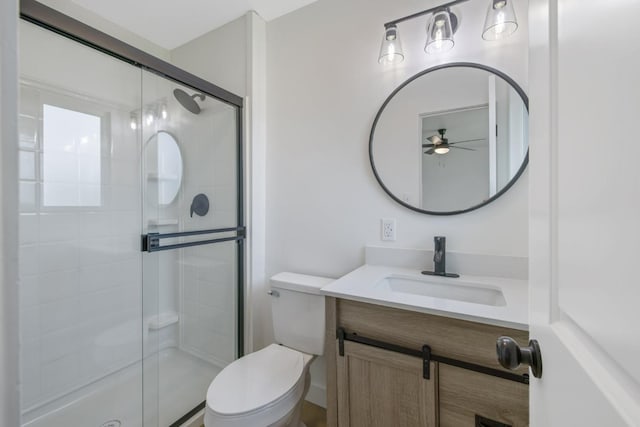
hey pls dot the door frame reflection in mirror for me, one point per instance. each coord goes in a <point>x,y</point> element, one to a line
<point>483,67</point>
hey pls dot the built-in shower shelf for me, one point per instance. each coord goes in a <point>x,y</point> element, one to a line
<point>163,320</point>
<point>163,177</point>
<point>162,222</point>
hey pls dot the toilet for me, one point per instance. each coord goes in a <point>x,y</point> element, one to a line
<point>267,387</point>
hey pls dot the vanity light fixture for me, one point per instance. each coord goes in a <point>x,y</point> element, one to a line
<point>391,48</point>
<point>500,23</point>
<point>440,32</point>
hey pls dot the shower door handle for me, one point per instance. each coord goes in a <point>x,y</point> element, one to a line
<point>151,241</point>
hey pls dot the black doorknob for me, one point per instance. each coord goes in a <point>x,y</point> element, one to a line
<point>511,355</point>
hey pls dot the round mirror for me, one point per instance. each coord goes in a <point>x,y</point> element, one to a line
<point>451,139</point>
<point>164,166</point>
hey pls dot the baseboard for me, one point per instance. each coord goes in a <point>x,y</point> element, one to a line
<point>317,395</point>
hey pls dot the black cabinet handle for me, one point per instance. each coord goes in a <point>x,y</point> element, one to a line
<point>511,355</point>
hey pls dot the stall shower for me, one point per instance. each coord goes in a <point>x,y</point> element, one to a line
<point>130,303</point>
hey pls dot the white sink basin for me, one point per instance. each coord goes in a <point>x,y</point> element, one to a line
<point>443,288</point>
<point>492,300</point>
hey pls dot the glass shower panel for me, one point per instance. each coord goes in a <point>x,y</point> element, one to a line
<point>80,214</point>
<point>190,181</point>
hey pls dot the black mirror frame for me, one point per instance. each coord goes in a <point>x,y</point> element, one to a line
<point>498,73</point>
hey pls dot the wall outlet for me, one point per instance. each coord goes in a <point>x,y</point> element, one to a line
<point>388,229</point>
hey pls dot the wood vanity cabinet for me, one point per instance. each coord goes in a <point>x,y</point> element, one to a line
<point>383,388</point>
<point>376,387</point>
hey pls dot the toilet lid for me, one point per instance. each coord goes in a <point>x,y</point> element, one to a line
<point>255,380</point>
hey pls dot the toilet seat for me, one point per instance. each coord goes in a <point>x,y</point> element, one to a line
<point>265,386</point>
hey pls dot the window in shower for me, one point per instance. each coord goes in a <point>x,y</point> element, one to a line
<point>71,159</point>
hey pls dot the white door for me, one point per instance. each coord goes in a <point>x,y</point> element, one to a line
<point>585,211</point>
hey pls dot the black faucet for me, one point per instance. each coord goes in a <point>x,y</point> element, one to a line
<point>440,258</point>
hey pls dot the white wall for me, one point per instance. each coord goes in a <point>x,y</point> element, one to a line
<point>9,402</point>
<point>220,56</point>
<point>324,88</point>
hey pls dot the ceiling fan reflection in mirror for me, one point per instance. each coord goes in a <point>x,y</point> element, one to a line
<point>439,144</point>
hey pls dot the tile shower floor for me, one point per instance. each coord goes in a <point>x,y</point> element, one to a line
<point>180,378</point>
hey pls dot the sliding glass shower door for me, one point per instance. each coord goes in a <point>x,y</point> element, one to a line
<point>80,262</point>
<point>191,234</point>
<point>131,239</point>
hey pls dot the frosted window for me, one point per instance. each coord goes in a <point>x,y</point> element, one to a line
<point>71,158</point>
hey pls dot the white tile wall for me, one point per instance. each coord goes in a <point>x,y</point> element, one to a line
<point>80,270</point>
<point>208,291</point>
<point>208,303</point>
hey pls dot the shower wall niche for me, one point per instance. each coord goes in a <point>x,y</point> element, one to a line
<point>110,332</point>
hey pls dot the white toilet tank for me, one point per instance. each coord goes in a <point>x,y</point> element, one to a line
<point>298,311</point>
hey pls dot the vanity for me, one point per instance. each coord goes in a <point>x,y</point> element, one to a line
<point>404,349</point>
<point>410,349</point>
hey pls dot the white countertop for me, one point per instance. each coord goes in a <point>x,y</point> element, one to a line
<point>360,285</point>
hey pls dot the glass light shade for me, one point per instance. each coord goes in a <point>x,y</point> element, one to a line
<point>391,48</point>
<point>439,33</point>
<point>500,21</point>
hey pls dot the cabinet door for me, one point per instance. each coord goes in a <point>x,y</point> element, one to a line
<point>380,388</point>
<point>470,399</point>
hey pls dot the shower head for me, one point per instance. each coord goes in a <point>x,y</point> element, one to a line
<point>188,101</point>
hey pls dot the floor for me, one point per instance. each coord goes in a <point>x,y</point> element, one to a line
<point>314,415</point>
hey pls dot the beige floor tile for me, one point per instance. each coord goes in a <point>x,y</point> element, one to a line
<point>314,415</point>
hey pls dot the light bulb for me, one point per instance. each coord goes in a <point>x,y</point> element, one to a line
<point>164,112</point>
<point>499,28</point>
<point>134,122</point>
<point>441,150</point>
<point>149,119</point>
<point>438,39</point>
<point>391,51</point>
